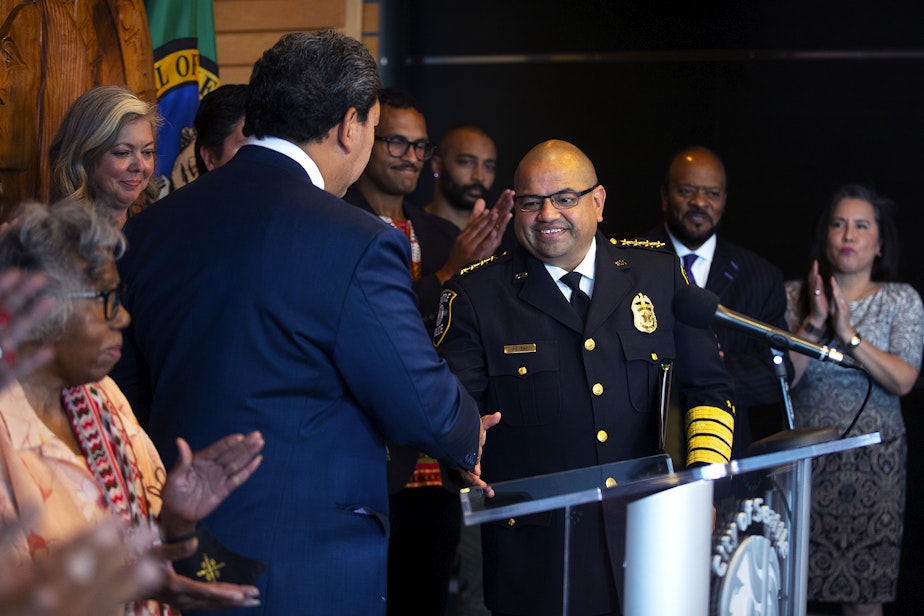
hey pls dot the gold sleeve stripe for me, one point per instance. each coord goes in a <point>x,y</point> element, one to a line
<point>710,431</point>
<point>712,413</point>
<point>706,441</point>
<point>706,456</point>
<point>709,428</point>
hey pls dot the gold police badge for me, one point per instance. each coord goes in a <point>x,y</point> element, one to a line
<point>643,314</point>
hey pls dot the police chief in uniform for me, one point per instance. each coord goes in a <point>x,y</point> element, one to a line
<point>573,393</point>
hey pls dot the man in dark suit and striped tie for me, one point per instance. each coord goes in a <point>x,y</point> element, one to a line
<point>693,198</point>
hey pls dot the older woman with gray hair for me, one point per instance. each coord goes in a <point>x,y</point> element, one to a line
<point>70,447</point>
<point>104,151</point>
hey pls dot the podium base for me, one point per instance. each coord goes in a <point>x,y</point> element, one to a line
<point>791,439</point>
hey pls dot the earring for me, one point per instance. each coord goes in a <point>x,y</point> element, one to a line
<point>435,174</point>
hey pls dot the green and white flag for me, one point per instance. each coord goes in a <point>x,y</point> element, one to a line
<point>185,70</point>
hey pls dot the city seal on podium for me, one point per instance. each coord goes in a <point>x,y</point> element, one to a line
<point>747,560</point>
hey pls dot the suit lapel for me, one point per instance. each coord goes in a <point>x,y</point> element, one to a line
<point>611,285</point>
<point>540,291</point>
<point>723,272</point>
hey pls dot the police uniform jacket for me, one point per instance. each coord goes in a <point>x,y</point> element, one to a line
<point>574,396</point>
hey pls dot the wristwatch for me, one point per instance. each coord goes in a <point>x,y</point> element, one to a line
<point>855,341</point>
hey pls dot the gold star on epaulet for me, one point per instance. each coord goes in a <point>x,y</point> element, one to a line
<point>638,243</point>
<point>477,264</point>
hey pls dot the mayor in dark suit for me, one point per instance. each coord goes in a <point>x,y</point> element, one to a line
<point>262,301</point>
<point>577,384</point>
<point>693,198</point>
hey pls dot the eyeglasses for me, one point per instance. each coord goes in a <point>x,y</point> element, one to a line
<point>398,147</point>
<point>563,200</point>
<point>112,299</point>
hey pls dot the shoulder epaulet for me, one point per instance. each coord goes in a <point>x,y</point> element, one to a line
<point>637,243</point>
<point>477,264</point>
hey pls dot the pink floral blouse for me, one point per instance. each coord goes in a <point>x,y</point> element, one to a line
<point>39,471</point>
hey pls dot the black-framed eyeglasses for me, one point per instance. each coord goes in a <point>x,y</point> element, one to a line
<point>112,299</point>
<point>398,146</point>
<point>561,200</point>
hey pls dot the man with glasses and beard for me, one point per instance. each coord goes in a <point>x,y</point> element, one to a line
<point>438,249</point>
<point>425,511</point>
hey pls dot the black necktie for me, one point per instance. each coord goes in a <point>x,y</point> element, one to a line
<point>579,300</point>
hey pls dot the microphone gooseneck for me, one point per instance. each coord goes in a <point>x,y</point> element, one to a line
<point>699,308</point>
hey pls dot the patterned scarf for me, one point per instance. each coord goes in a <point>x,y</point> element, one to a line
<point>408,230</point>
<point>104,443</point>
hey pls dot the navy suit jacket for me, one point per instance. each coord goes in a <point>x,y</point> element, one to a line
<point>747,283</point>
<point>261,302</point>
<point>436,237</point>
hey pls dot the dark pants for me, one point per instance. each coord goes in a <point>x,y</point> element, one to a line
<point>425,524</point>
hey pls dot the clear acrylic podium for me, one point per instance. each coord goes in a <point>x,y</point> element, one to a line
<point>667,556</point>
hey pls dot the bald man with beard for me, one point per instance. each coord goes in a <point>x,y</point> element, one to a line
<point>464,167</point>
<point>693,200</point>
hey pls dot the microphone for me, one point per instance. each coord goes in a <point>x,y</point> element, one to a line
<point>698,307</point>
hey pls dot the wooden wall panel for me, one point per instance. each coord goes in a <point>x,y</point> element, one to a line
<point>244,29</point>
<point>278,15</point>
<point>242,48</point>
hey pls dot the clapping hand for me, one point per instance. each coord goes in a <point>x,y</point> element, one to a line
<point>481,237</point>
<point>91,574</point>
<point>194,488</point>
<point>199,482</point>
<point>818,299</point>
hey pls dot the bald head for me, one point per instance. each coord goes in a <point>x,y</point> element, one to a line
<point>455,134</point>
<point>561,235</point>
<point>553,154</point>
<point>693,195</point>
<point>695,156</point>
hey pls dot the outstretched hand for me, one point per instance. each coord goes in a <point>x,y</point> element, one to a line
<point>473,478</point>
<point>199,482</point>
<point>187,594</point>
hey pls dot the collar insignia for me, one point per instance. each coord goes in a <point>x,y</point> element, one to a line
<point>638,243</point>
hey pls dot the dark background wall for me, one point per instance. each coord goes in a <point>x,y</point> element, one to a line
<point>797,97</point>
